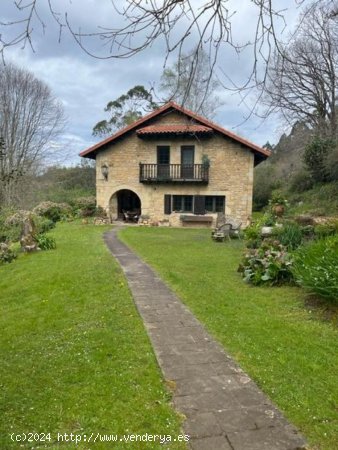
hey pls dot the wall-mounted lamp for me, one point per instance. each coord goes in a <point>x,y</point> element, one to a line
<point>105,171</point>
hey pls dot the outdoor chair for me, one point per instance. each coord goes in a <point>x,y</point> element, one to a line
<point>220,220</point>
<point>226,227</point>
<point>235,230</point>
<point>221,233</point>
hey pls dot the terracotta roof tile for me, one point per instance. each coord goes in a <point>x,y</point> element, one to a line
<point>174,128</point>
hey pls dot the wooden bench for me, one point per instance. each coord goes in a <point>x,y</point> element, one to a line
<point>204,219</point>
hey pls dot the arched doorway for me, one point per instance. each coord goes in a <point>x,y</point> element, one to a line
<point>124,200</point>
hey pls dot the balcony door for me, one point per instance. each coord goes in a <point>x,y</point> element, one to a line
<point>163,162</point>
<point>187,161</point>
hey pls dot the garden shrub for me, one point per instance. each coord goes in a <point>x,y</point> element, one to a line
<point>100,212</point>
<point>13,224</point>
<point>316,267</point>
<point>269,264</point>
<point>252,235</point>
<point>45,242</point>
<point>9,233</point>
<point>3,227</point>
<point>308,232</point>
<point>6,254</point>
<point>85,206</point>
<point>278,198</point>
<point>326,229</point>
<point>43,224</point>
<point>53,211</point>
<point>268,220</point>
<point>290,235</point>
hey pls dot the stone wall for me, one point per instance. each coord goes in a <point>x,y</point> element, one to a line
<point>230,173</point>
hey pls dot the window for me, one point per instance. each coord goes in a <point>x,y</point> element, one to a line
<point>219,203</point>
<point>214,203</point>
<point>182,203</point>
<point>163,154</point>
<point>198,204</point>
<point>209,203</point>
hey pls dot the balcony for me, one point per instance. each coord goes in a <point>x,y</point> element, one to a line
<point>174,173</point>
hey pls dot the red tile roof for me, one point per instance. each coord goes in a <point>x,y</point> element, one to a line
<point>91,152</point>
<point>173,129</point>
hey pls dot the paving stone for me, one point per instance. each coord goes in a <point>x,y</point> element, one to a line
<point>234,381</point>
<point>281,438</point>
<point>268,416</point>
<point>183,372</point>
<point>205,401</point>
<point>250,396</point>
<point>165,339</point>
<point>228,366</point>
<point>189,358</point>
<point>224,408</point>
<point>197,384</point>
<point>210,443</point>
<point>178,348</point>
<point>203,425</point>
<point>231,420</point>
<point>176,321</point>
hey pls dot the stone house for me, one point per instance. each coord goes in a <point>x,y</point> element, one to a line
<point>175,168</point>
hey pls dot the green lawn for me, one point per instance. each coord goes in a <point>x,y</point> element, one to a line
<point>75,357</point>
<point>289,350</point>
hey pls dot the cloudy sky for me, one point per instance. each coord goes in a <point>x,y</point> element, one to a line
<point>85,84</point>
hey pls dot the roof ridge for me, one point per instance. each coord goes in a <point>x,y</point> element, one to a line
<point>93,149</point>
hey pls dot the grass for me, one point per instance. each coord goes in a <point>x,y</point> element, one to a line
<point>289,350</point>
<point>75,355</point>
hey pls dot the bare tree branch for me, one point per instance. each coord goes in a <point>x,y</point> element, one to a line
<point>179,25</point>
<point>302,79</point>
<point>30,118</point>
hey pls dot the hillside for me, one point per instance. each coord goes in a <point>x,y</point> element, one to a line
<point>285,170</point>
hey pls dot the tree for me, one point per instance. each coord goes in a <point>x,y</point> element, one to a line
<point>125,110</point>
<point>30,119</point>
<point>268,146</point>
<point>191,83</point>
<point>315,158</point>
<point>302,80</point>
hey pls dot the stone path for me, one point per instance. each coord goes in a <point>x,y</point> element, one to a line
<point>224,409</point>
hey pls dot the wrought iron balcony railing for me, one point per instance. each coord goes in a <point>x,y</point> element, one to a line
<point>174,173</point>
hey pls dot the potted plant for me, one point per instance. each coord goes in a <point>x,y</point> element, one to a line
<point>278,204</point>
<point>205,161</point>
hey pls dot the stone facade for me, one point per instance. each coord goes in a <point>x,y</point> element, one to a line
<point>230,173</point>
